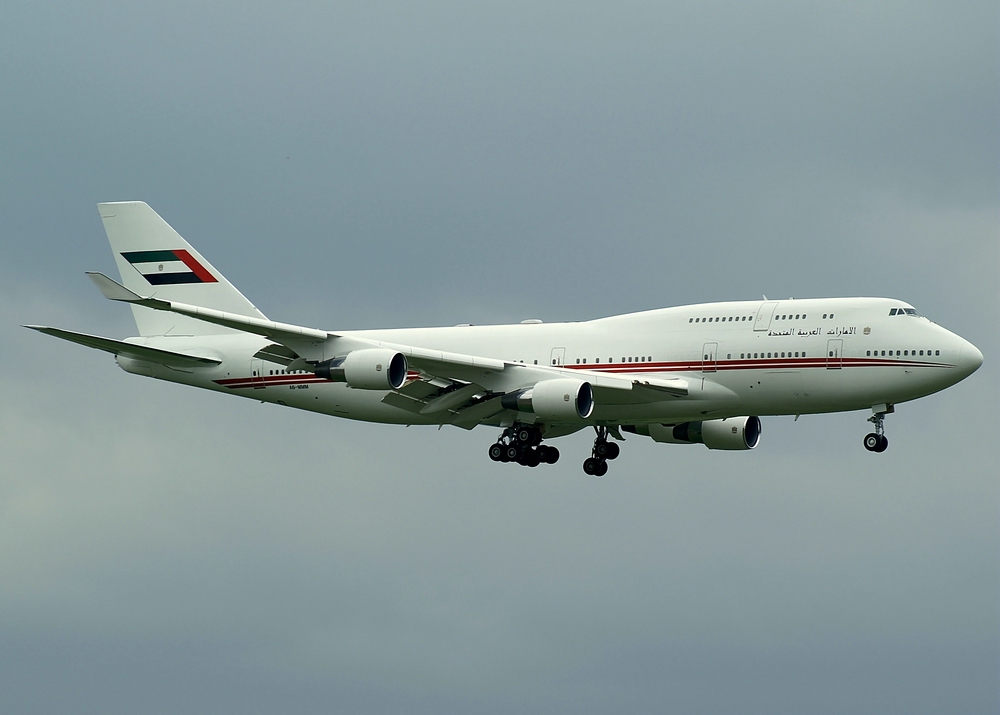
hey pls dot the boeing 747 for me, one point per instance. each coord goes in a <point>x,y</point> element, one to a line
<point>690,374</point>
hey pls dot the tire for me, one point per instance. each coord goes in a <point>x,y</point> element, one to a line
<point>872,442</point>
<point>532,458</point>
<point>602,469</point>
<point>550,455</point>
<point>496,452</point>
<point>590,466</point>
<point>613,451</point>
<point>523,435</point>
<point>512,453</point>
<point>883,444</point>
<point>601,449</point>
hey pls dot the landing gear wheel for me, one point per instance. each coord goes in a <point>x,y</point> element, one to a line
<point>549,455</point>
<point>513,453</point>
<point>603,450</point>
<point>877,441</point>
<point>497,452</point>
<point>524,435</point>
<point>595,467</point>
<point>530,458</point>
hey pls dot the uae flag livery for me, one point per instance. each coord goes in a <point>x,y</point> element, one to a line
<point>169,267</point>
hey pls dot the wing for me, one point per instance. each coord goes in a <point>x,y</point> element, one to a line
<point>463,389</point>
<point>117,347</point>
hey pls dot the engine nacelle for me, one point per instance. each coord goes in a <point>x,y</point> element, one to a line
<point>366,369</point>
<point>558,400</point>
<point>729,433</point>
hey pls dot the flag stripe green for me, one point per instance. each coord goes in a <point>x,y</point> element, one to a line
<point>149,256</point>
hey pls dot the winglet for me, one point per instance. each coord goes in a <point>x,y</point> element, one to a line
<point>111,289</point>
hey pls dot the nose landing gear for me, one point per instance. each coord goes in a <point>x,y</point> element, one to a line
<point>877,441</point>
<point>597,464</point>
<point>522,444</point>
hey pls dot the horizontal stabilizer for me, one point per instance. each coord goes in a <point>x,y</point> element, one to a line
<point>113,290</point>
<point>118,347</point>
<point>279,332</point>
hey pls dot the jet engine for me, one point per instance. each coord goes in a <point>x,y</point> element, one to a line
<point>366,369</point>
<point>558,400</point>
<point>728,433</point>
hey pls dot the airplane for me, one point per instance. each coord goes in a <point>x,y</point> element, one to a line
<point>693,374</point>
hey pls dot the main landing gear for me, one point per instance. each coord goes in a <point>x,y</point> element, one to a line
<point>597,464</point>
<point>877,441</point>
<point>522,444</point>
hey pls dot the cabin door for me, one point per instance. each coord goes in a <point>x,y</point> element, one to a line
<point>558,357</point>
<point>764,315</point>
<point>257,373</point>
<point>834,354</point>
<point>708,356</point>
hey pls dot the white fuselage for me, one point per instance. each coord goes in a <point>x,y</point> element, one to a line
<point>739,358</point>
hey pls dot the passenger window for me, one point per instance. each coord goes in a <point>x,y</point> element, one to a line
<point>824,316</point>
<point>690,320</point>
<point>742,355</point>
<point>729,356</point>
<point>831,316</point>
<point>937,352</point>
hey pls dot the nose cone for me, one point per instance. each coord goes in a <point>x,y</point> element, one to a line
<point>970,358</point>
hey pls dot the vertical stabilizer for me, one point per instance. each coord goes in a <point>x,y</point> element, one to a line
<point>155,261</point>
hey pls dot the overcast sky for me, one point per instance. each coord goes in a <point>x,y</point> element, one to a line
<point>166,550</point>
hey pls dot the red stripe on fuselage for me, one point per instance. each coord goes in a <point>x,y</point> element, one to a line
<point>626,368</point>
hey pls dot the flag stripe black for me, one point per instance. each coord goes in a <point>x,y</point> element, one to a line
<point>160,279</point>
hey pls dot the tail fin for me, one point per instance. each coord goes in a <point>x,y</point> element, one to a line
<point>154,260</point>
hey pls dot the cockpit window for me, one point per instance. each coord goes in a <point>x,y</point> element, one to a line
<point>893,311</point>
<point>904,311</point>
